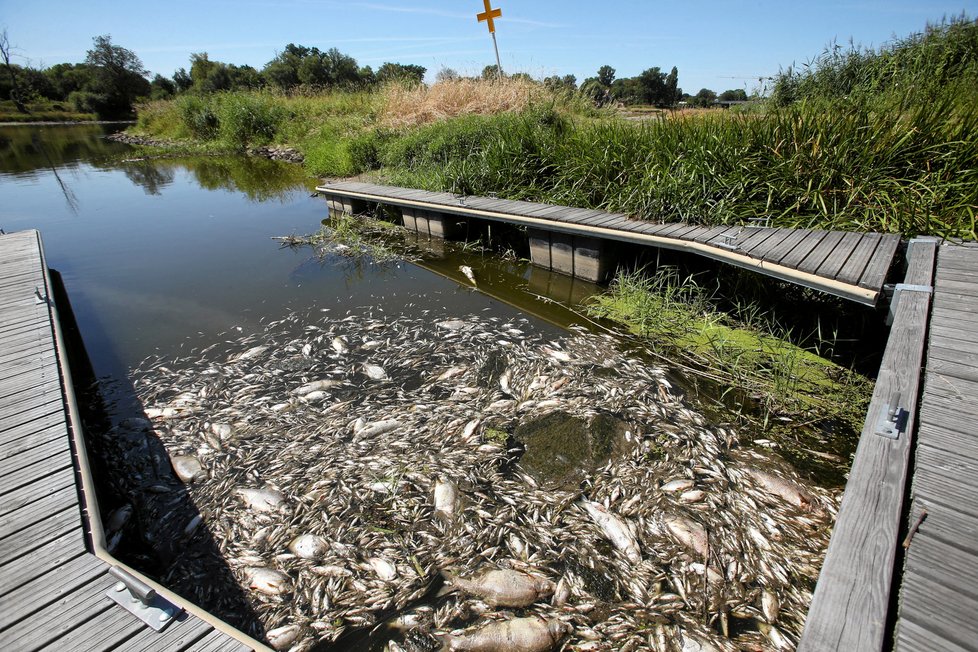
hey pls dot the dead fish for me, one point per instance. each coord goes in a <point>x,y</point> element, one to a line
<point>533,634</point>
<point>282,638</point>
<point>687,532</point>
<point>376,428</point>
<point>557,354</point>
<point>452,324</point>
<point>187,468</point>
<point>469,274</point>
<point>770,605</point>
<point>222,430</point>
<point>267,581</point>
<point>308,546</point>
<point>374,372</point>
<point>339,345</point>
<point>470,429</point>
<point>118,519</point>
<point>678,485</point>
<point>506,588</point>
<point>446,497</point>
<point>782,488</point>
<point>262,500</point>
<point>385,570</point>
<point>772,634</point>
<point>316,386</point>
<point>562,593</point>
<point>253,352</point>
<point>694,496</point>
<point>615,529</point>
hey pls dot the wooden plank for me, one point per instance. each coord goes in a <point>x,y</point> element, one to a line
<point>951,440</point>
<point>802,249</point>
<point>786,246</point>
<point>879,265</point>
<point>29,414</point>
<point>180,635</point>
<point>851,602</point>
<point>59,618</point>
<point>42,453</point>
<point>817,256</point>
<point>53,524</point>
<point>911,637</point>
<point>29,399</point>
<point>835,261</point>
<point>759,248</point>
<point>948,525</point>
<point>962,368</point>
<point>102,632</point>
<point>12,433</point>
<point>943,612</point>
<point>853,268</point>
<point>714,232</point>
<point>65,498</point>
<point>14,445</point>
<point>20,603</point>
<point>957,568</point>
<point>752,237</point>
<point>29,485</point>
<point>51,556</point>
<point>217,641</point>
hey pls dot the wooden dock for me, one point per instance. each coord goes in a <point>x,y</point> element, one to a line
<point>54,571</point>
<point>849,265</point>
<point>901,572</point>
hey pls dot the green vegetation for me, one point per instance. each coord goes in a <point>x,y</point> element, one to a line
<point>743,349</point>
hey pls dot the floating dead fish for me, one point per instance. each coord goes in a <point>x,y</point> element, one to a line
<point>250,354</point>
<point>385,570</point>
<point>770,605</point>
<point>282,638</point>
<point>187,468</point>
<point>376,428</point>
<point>262,500</point>
<point>694,496</point>
<point>615,529</point>
<point>375,372</point>
<point>118,519</point>
<point>452,324</point>
<point>533,634</point>
<point>267,581</point>
<point>308,546</point>
<point>469,274</point>
<point>317,386</point>
<point>222,430</point>
<point>446,498</point>
<point>339,345</point>
<point>506,588</point>
<point>678,485</point>
<point>687,532</point>
<point>781,487</point>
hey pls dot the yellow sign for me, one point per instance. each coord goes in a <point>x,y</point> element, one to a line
<point>489,14</point>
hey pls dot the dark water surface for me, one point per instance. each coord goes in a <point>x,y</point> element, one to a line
<point>159,254</point>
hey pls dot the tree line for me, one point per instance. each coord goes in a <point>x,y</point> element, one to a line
<point>112,79</point>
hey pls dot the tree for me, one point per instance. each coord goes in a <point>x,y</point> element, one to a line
<point>606,76</point>
<point>672,87</point>
<point>491,72</point>
<point>15,91</point>
<point>447,74</point>
<point>183,80</point>
<point>399,72</point>
<point>735,95</point>
<point>119,77</point>
<point>705,97</point>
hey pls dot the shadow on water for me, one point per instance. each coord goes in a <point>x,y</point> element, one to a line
<point>133,476</point>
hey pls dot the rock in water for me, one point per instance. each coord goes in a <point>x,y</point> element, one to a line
<point>534,634</point>
<point>187,468</point>
<point>507,588</point>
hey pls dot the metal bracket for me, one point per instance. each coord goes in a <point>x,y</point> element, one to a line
<point>730,241</point>
<point>38,297</point>
<point>142,600</point>
<point>899,289</point>
<point>893,419</point>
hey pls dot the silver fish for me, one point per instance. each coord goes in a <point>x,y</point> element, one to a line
<point>262,500</point>
<point>308,546</point>
<point>469,274</point>
<point>374,372</point>
<point>282,638</point>
<point>533,634</point>
<point>778,486</point>
<point>615,529</point>
<point>506,588</point>
<point>187,468</point>
<point>268,581</point>
<point>446,497</point>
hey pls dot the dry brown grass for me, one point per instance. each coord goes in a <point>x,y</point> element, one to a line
<point>407,106</point>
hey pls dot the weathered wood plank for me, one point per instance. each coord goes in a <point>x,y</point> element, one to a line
<point>62,499</point>
<point>51,556</point>
<point>761,249</point>
<point>35,482</point>
<point>850,606</point>
<point>14,445</point>
<point>62,616</point>
<point>911,637</point>
<point>55,448</point>
<point>180,635</point>
<point>102,632</point>
<point>958,568</point>
<point>11,432</point>
<point>53,524</point>
<point>942,611</point>
<point>20,603</point>
<point>217,641</point>
<point>817,256</point>
<point>834,263</point>
<point>879,265</point>
<point>800,251</point>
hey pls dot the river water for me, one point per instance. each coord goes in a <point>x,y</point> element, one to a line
<point>352,390</point>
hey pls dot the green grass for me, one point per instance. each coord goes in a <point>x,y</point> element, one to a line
<point>745,350</point>
<point>42,111</point>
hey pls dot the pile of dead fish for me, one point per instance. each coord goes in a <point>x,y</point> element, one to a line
<point>354,474</point>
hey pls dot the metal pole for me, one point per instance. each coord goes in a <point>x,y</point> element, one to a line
<point>499,66</point>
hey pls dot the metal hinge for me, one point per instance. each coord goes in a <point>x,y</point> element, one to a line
<point>893,419</point>
<point>142,600</point>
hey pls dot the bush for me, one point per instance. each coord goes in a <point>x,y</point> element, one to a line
<point>199,116</point>
<point>249,118</point>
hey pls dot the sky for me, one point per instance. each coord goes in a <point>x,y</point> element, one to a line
<point>716,44</point>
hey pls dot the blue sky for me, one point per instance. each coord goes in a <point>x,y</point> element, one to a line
<point>717,44</point>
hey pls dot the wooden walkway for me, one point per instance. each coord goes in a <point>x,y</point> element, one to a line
<point>850,265</point>
<point>906,576</point>
<point>52,585</point>
<point>939,589</point>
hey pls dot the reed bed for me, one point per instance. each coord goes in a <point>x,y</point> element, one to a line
<point>410,106</point>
